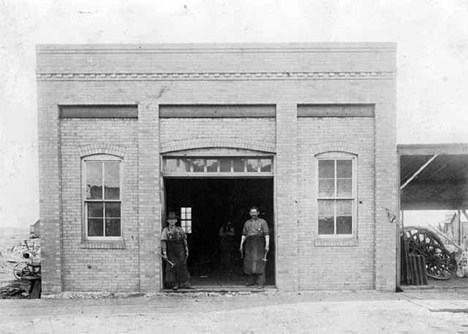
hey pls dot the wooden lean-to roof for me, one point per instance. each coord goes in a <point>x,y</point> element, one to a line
<point>433,176</point>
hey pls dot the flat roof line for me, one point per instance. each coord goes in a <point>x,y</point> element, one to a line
<point>241,47</point>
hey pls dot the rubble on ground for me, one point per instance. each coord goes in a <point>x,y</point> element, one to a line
<point>12,249</point>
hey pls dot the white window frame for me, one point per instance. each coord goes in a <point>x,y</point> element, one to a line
<point>101,158</point>
<point>354,196</point>
<point>184,220</point>
<point>180,170</point>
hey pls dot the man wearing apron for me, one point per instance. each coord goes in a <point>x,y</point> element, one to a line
<point>254,247</point>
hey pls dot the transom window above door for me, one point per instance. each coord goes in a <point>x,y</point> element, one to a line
<point>218,165</point>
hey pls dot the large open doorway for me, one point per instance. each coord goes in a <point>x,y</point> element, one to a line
<point>204,204</point>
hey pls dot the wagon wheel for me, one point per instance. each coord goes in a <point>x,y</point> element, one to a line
<point>440,264</point>
<point>21,270</point>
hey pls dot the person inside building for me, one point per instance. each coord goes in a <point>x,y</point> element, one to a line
<point>175,253</point>
<point>226,235</point>
<point>254,248</point>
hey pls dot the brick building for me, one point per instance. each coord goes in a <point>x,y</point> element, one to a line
<point>304,131</point>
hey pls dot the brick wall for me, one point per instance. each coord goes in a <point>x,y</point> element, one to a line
<point>348,265</point>
<point>282,75</point>
<point>98,266</point>
<point>247,129</point>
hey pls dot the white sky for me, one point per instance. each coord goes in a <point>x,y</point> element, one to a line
<point>432,62</point>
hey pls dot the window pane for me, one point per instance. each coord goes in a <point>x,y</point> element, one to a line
<point>326,188</point>
<point>344,225</point>
<point>112,210</point>
<point>252,165</point>
<point>344,208</point>
<point>170,165</point>
<point>212,165</point>
<point>113,227</point>
<point>345,188</point>
<point>326,214</point>
<point>326,225</point>
<point>184,165</point>
<point>326,208</point>
<point>344,168</point>
<point>112,179</point>
<point>198,165</point>
<point>95,228</point>
<point>94,210</point>
<point>93,180</point>
<point>326,169</point>
<point>225,165</point>
<point>265,165</point>
<point>344,212</point>
<point>239,164</point>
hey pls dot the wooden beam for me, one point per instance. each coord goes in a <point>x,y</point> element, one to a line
<point>430,149</point>
<point>428,205</point>
<point>419,171</point>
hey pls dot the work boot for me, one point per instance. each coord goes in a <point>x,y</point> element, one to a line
<point>250,282</point>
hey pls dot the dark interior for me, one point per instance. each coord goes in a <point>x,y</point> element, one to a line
<point>213,202</point>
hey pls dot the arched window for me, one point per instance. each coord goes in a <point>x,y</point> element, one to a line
<point>102,197</point>
<point>336,194</point>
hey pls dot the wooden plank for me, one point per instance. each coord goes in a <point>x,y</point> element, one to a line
<point>335,110</point>
<point>215,111</point>
<point>99,111</point>
<point>431,149</point>
<point>419,171</point>
<point>423,271</point>
<point>35,290</point>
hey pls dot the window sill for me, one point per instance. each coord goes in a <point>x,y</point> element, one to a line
<point>103,244</point>
<point>336,242</point>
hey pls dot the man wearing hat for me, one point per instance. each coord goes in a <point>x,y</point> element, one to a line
<point>175,252</point>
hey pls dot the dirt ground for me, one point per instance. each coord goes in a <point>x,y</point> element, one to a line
<point>247,313</point>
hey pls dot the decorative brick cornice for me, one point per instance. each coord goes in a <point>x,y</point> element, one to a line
<point>197,143</point>
<point>101,148</point>
<point>214,76</point>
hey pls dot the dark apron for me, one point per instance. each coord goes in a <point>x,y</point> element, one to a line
<point>254,247</point>
<point>176,254</point>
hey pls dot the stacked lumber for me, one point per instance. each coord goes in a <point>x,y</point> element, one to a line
<point>413,266</point>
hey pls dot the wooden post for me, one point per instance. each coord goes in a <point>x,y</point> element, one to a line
<point>456,228</point>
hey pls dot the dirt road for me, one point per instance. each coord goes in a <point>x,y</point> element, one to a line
<point>363,312</point>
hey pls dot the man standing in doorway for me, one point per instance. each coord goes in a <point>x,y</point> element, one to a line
<point>255,241</point>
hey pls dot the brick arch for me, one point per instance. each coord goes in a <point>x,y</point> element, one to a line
<point>101,148</point>
<point>197,143</point>
<point>335,147</point>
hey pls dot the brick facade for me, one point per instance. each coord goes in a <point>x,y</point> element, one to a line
<point>281,75</point>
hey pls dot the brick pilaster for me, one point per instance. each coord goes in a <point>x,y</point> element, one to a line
<point>49,185</point>
<point>386,191</point>
<point>149,196</point>
<point>285,197</point>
